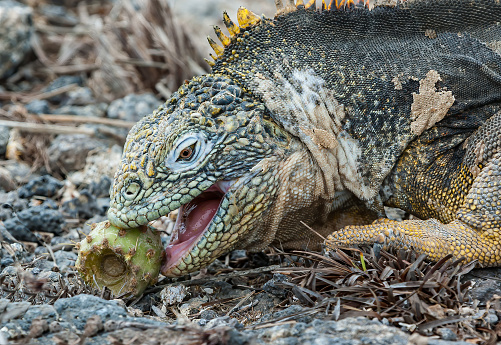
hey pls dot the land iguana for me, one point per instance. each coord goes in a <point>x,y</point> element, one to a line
<point>321,117</point>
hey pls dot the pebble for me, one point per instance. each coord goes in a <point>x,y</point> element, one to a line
<point>82,96</point>
<point>447,334</point>
<point>45,185</point>
<point>16,29</point>
<point>11,203</point>
<point>58,15</point>
<point>68,152</point>
<point>38,106</point>
<point>4,139</point>
<point>60,82</point>
<point>65,260</point>
<point>133,107</point>
<point>173,294</point>
<point>37,218</point>
<point>83,206</point>
<point>273,285</point>
<point>90,110</point>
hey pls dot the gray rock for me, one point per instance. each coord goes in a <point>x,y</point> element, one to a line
<point>294,312</point>
<point>82,96</point>
<point>487,282</point>
<point>10,204</point>
<point>16,28</point>
<point>4,139</point>
<point>45,185</point>
<point>36,218</point>
<point>273,285</point>
<point>433,341</point>
<point>68,152</point>
<point>221,322</point>
<point>90,110</point>
<point>58,15</point>
<point>83,206</point>
<point>447,334</point>
<point>350,331</point>
<point>65,260</point>
<point>76,310</point>
<point>20,172</point>
<point>133,107</point>
<point>14,311</point>
<point>60,82</point>
<point>38,107</point>
<point>44,311</point>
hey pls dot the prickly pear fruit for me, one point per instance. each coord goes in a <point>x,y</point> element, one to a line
<point>125,261</point>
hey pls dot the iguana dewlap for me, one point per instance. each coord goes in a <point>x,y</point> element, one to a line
<point>323,117</point>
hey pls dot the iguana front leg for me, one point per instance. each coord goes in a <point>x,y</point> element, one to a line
<point>475,231</point>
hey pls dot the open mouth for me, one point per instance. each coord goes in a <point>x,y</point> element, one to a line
<point>192,222</point>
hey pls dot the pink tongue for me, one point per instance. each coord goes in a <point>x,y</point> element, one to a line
<point>198,219</point>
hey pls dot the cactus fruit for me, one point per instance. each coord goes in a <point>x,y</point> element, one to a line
<point>125,261</point>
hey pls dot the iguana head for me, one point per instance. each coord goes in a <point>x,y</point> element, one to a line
<point>209,152</point>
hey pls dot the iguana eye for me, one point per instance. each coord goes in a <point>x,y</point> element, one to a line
<point>186,153</point>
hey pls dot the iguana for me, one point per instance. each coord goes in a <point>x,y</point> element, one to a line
<point>321,117</point>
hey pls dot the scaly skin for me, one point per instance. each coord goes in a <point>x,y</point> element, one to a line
<point>324,117</point>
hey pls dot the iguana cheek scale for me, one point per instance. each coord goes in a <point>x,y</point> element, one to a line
<point>322,117</point>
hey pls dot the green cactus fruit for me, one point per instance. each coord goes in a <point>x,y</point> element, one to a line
<point>125,261</point>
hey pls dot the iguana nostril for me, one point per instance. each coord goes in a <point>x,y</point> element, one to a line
<point>132,190</point>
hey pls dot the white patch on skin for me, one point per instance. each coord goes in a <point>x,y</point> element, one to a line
<point>429,106</point>
<point>309,111</point>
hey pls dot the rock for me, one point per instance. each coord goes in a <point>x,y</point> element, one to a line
<point>38,107</point>
<point>100,167</point>
<point>68,152</point>
<point>16,28</point>
<point>20,172</point>
<point>133,107</point>
<point>294,312</point>
<point>102,187</point>
<point>272,287</point>
<point>222,322</point>
<point>11,203</point>
<point>4,139</point>
<point>82,96</point>
<point>36,218</point>
<point>65,260</point>
<point>447,334</point>
<point>45,185</point>
<point>350,331</point>
<point>76,310</point>
<point>173,294</point>
<point>62,82</point>
<point>84,206</point>
<point>58,15</point>
<point>90,110</point>
<point>487,282</point>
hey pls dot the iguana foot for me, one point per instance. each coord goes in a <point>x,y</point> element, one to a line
<point>428,237</point>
